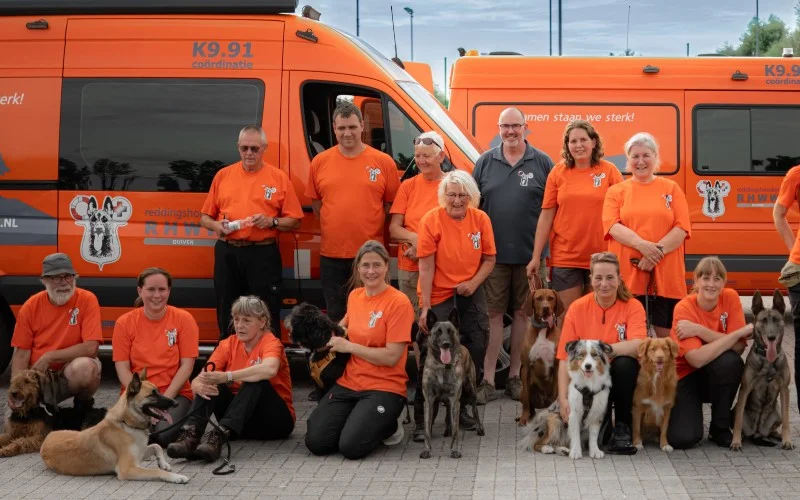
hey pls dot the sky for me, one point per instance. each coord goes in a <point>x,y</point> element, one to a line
<point>590,27</point>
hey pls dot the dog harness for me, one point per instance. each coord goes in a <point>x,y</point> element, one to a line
<point>588,398</point>
<point>317,366</point>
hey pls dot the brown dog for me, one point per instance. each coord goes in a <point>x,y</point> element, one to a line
<point>27,423</point>
<point>538,354</point>
<point>655,389</point>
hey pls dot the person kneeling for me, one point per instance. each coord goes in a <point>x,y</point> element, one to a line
<point>247,387</point>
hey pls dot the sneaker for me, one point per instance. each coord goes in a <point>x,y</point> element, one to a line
<point>466,421</point>
<point>621,442</point>
<point>513,388</point>
<point>210,446</point>
<point>485,392</point>
<point>418,435</point>
<point>187,442</point>
<point>398,435</point>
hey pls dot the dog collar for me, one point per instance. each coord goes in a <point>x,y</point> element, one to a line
<point>541,325</point>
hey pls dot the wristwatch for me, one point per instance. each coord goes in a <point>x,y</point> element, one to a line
<point>230,377</point>
<point>275,222</point>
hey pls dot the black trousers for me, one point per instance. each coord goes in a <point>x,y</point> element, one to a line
<point>256,412</point>
<point>624,370</point>
<point>334,276</point>
<point>352,422</point>
<point>716,383</point>
<point>794,303</point>
<point>250,270</point>
<point>473,332</point>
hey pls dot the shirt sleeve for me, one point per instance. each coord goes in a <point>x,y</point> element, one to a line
<point>614,175</point>
<point>681,208</point>
<point>683,311</point>
<point>291,204</point>
<point>427,237</point>
<point>211,205</point>
<point>398,324</point>
<point>312,190</point>
<point>788,192</point>
<point>92,324</point>
<point>550,199</point>
<point>637,321</point>
<point>568,334</point>
<point>189,336</point>
<point>221,356</point>
<point>487,235</point>
<point>121,340</point>
<point>272,350</point>
<point>611,209</point>
<point>400,204</point>
<point>392,179</point>
<point>23,330</point>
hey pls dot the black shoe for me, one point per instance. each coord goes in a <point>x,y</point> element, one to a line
<point>466,421</point>
<point>418,434</point>
<point>211,445</point>
<point>723,437</point>
<point>313,395</point>
<point>621,442</point>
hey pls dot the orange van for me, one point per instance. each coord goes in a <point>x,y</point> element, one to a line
<point>116,114</point>
<point>727,129</point>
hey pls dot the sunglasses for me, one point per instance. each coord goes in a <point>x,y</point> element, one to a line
<point>426,141</point>
<point>253,149</point>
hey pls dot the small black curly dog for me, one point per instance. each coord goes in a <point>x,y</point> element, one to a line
<point>312,329</point>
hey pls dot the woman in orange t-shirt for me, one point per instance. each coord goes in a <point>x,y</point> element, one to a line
<point>711,333</point>
<point>364,406</point>
<point>570,219</point>
<point>646,220</point>
<point>416,197</point>
<point>247,387</point>
<point>161,338</point>
<point>607,314</point>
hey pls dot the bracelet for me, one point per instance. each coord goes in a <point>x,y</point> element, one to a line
<point>230,377</point>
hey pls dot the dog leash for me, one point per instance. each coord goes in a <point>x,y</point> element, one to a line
<point>226,462</point>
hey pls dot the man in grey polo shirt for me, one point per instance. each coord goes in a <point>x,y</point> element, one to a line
<point>511,178</point>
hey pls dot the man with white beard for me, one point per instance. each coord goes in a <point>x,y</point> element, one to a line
<point>59,331</point>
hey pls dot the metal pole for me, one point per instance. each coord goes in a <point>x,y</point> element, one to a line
<point>758,29</point>
<point>445,79</point>
<point>551,27</point>
<point>627,30</point>
<point>412,36</point>
<point>559,27</point>
<point>687,49</point>
<point>358,21</point>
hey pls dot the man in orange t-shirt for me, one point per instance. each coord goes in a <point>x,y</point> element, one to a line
<point>352,186</point>
<point>248,204</point>
<point>59,330</point>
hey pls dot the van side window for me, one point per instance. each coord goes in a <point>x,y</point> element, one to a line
<point>125,134</point>
<point>403,133</point>
<point>746,139</point>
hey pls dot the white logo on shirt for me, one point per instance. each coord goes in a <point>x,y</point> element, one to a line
<point>523,178</point>
<point>373,318</point>
<point>598,179</point>
<point>667,199</point>
<point>172,336</point>
<point>621,331</point>
<point>373,173</point>
<point>269,191</point>
<point>73,316</point>
<point>256,361</point>
<point>723,319</point>
<point>476,240</point>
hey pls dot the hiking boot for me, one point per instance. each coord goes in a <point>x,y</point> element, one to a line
<point>466,421</point>
<point>485,392</point>
<point>621,442</point>
<point>418,434</point>
<point>211,444</point>
<point>187,442</point>
<point>398,435</point>
<point>513,388</point>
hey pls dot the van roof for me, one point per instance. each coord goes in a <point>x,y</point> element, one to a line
<point>64,7</point>
<point>716,73</point>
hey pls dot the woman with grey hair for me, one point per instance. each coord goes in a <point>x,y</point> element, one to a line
<point>456,253</point>
<point>646,220</point>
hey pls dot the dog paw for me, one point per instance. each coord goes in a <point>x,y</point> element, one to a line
<point>164,465</point>
<point>666,448</point>
<point>455,454</point>
<point>178,479</point>
<point>547,449</point>
<point>596,454</point>
<point>736,446</point>
<point>562,450</point>
<point>425,454</point>
<point>787,445</point>
<point>481,432</point>
<point>522,422</point>
<point>639,446</point>
<point>575,454</point>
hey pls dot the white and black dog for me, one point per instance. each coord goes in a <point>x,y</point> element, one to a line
<point>589,389</point>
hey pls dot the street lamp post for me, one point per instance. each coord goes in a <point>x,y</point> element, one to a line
<point>411,13</point>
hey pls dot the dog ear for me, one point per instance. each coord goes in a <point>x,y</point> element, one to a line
<point>673,347</point>
<point>607,349</point>
<point>777,302</point>
<point>643,347</point>
<point>430,320</point>
<point>143,374</point>
<point>134,386</point>
<point>571,345</point>
<point>559,306</point>
<point>758,303</point>
<point>527,307</point>
<point>453,317</point>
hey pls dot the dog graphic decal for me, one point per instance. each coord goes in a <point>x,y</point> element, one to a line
<point>269,191</point>
<point>476,240</point>
<point>100,243</point>
<point>723,320</point>
<point>254,362</point>
<point>524,178</point>
<point>172,336</point>
<point>621,331</point>
<point>668,200</point>
<point>373,318</point>
<point>73,316</point>
<point>598,178</point>
<point>713,194</point>
<point>373,173</point>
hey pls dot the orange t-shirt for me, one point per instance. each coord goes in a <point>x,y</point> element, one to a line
<point>651,211</point>
<point>374,322</point>
<point>458,245</point>
<point>578,196</point>
<point>237,194</point>
<point>352,191</point>
<point>416,197</point>
<point>156,345</point>
<point>727,317</point>
<point>43,327</point>
<point>786,198</point>
<point>586,320</point>
<point>230,356</point>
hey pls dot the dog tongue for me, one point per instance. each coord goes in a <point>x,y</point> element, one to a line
<point>549,321</point>
<point>445,356</point>
<point>164,414</point>
<point>772,350</point>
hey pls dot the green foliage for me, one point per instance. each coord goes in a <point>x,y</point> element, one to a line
<point>772,35</point>
<point>439,94</point>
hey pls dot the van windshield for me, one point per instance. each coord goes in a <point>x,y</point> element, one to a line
<point>422,97</point>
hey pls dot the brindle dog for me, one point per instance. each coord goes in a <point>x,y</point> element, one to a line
<point>448,372</point>
<point>766,374</point>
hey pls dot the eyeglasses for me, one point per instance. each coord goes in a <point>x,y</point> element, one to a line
<point>66,278</point>
<point>254,149</point>
<point>510,126</point>
<point>460,196</point>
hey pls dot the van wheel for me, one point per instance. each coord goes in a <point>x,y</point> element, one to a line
<point>7,323</point>
<point>504,356</point>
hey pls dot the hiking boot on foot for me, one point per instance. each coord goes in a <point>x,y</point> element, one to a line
<point>621,442</point>
<point>418,434</point>
<point>485,392</point>
<point>187,442</point>
<point>513,388</point>
<point>723,437</point>
<point>211,444</point>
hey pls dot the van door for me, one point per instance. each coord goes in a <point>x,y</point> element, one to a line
<point>151,110</point>
<point>741,144</point>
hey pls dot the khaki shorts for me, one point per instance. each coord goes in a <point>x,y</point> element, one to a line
<point>59,390</point>
<point>407,282</point>
<point>504,281</point>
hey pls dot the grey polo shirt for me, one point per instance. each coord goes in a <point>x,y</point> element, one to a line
<point>511,195</point>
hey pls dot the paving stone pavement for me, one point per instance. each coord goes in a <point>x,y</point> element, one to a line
<point>491,467</point>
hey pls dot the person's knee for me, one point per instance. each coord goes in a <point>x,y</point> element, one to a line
<point>82,374</point>
<point>625,368</point>
<point>682,440</point>
<point>318,443</point>
<point>726,369</point>
<point>352,449</point>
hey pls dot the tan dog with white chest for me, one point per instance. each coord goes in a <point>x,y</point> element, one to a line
<point>656,387</point>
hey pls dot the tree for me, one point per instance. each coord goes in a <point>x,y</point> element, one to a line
<point>769,33</point>
<point>441,96</point>
<point>628,52</point>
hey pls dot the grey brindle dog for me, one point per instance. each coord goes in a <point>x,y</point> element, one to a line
<point>448,372</point>
<point>766,375</point>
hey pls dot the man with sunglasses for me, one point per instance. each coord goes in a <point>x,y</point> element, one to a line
<point>58,331</point>
<point>511,178</point>
<point>248,204</point>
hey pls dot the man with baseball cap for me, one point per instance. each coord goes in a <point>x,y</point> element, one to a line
<point>58,331</point>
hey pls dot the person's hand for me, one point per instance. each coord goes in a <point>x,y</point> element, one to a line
<point>563,408</point>
<point>686,329</point>
<point>646,264</point>
<point>340,344</point>
<point>411,252</point>
<point>261,221</point>
<point>422,322</point>
<point>747,332</point>
<point>466,288</point>
<point>213,378</point>
<point>205,391</point>
<point>532,269</point>
<point>651,251</point>
<point>221,229</point>
<point>42,364</point>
